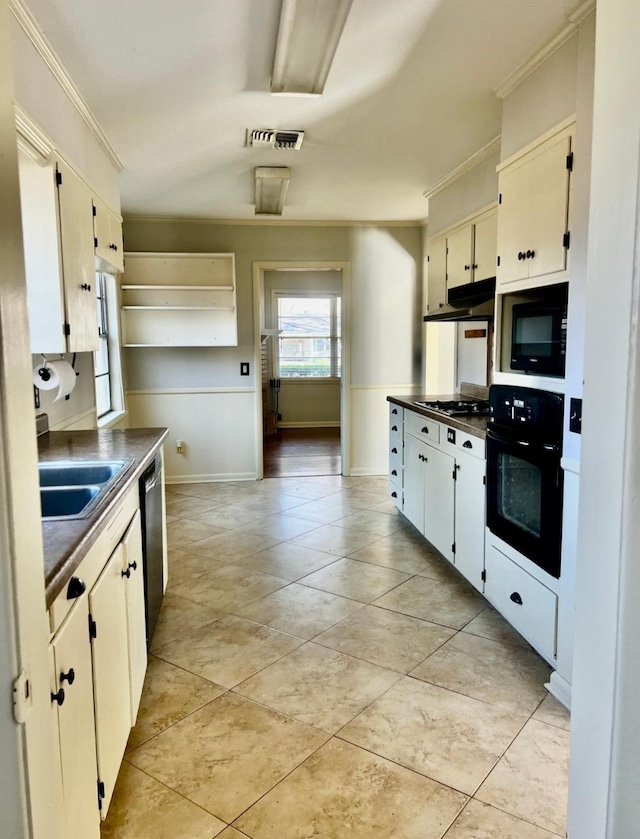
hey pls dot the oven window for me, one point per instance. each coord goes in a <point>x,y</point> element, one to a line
<point>520,493</point>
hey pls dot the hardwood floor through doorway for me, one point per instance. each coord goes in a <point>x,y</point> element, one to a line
<point>294,452</point>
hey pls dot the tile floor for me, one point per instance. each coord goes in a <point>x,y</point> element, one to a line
<point>319,671</point>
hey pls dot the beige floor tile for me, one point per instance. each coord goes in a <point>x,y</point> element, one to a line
<point>479,821</point>
<point>450,603</point>
<point>222,493</point>
<point>229,651</point>
<point>490,624</point>
<point>448,737</point>
<point>361,499</point>
<point>228,754</point>
<point>393,553</point>
<point>169,695</point>
<point>184,507</point>
<point>500,674</point>
<point>287,561</point>
<point>344,791</point>
<point>379,523</point>
<point>299,610</point>
<point>280,526</point>
<point>530,781</point>
<point>142,808</point>
<point>179,617</point>
<point>232,833</point>
<point>185,566</point>
<point>336,540</point>
<point>358,580</point>
<point>229,587</point>
<point>440,569</point>
<point>391,640</point>
<point>322,511</point>
<point>319,687</point>
<point>553,713</point>
<point>185,531</point>
<point>410,534</point>
<point>299,488</point>
<point>232,545</point>
<point>266,504</point>
<point>228,516</point>
<point>388,507</point>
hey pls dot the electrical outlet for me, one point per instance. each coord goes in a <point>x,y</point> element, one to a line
<point>244,368</point>
<point>180,446</point>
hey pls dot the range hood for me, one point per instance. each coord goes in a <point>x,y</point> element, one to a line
<point>471,301</point>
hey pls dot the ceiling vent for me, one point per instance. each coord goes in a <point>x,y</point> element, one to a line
<point>269,138</point>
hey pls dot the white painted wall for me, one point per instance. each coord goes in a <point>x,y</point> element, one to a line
<point>303,402</point>
<point>471,354</point>
<point>386,306</point>
<point>467,195</point>
<point>81,405</point>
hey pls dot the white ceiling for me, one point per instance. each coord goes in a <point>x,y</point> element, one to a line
<point>175,85</point>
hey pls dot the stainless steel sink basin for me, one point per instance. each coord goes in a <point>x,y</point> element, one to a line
<point>72,489</point>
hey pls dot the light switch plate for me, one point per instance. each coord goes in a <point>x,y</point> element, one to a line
<point>244,368</point>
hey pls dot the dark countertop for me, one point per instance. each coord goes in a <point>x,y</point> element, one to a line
<point>476,426</point>
<point>66,542</point>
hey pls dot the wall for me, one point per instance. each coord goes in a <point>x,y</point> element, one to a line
<point>465,196</point>
<point>386,307</point>
<point>79,410</point>
<point>471,354</point>
<point>303,403</point>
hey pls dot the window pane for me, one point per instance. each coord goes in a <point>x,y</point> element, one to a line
<point>305,344</point>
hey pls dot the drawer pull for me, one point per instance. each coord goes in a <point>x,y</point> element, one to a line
<point>425,430</point>
<point>75,588</point>
<point>394,427</point>
<point>58,697</point>
<point>395,411</point>
<point>467,444</point>
<point>68,677</point>
<point>516,598</point>
<point>394,494</point>
<point>394,450</point>
<point>394,472</point>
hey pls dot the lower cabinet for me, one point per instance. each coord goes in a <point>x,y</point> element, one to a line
<point>98,656</point>
<point>470,516</point>
<point>439,501</point>
<point>414,454</point>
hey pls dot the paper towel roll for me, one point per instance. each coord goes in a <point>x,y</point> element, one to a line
<point>55,374</point>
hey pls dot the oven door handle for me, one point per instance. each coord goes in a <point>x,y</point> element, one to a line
<point>514,441</point>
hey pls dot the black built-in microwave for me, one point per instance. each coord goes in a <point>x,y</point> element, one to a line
<point>539,336</point>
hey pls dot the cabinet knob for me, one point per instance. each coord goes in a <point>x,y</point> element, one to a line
<point>394,494</point>
<point>475,267</point>
<point>467,444</point>
<point>521,255</point>
<point>126,572</point>
<point>466,267</point>
<point>133,566</point>
<point>440,305</point>
<point>530,254</point>
<point>425,430</point>
<point>58,697</point>
<point>395,411</point>
<point>85,286</point>
<point>394,450</point>
<point>70,676</point>
<point>394,427</point>
<point>394,472</point>
<point>75,588</point>
<point>516,598</point>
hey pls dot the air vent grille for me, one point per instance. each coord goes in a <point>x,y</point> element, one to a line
<point>270,138</point>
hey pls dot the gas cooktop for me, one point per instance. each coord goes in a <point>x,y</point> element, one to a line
<point>458,407</point>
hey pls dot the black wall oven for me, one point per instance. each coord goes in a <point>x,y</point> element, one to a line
<point>524,477</point>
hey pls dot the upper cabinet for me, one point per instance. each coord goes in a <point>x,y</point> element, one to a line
<point>107,232</point>
<point>533,216</point>
<point>60,254</point>
<point>437,276</point>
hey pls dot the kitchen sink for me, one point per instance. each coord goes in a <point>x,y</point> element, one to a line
<point>72,489</point>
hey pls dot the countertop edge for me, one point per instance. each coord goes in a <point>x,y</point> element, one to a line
<point>58,575</point>
<point>477,427</point>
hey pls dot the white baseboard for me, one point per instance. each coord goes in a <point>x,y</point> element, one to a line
<point>365,472</point>
<point>210,479</point>
<point>327,424</point>
<point>560,688</point>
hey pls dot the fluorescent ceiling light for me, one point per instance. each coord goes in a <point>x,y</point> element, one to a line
<point>307,42</point>
<point>272,183</point>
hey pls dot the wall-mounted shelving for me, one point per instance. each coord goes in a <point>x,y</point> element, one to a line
<point>179,300</point>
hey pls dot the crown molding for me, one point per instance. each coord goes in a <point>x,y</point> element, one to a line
<point>46,52</point>
<point>534,61</point>
<point>31,137</point>
<point>466,166</point>
<point>250,222</point>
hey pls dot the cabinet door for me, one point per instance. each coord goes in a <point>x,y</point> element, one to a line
<point>76,725</point>
<point>439,500</point>
<point>76,234</point>
<point>470,518</point>
<point>111,688</point>
<point>107,230</point>
<point>485,248</point>
<point>549,179</point>
<point>117,252</point>
<point>136,626</point>
<point>414,453</point>
<point>437,277</point>
<point>514,222</point>
<point>459,257</point>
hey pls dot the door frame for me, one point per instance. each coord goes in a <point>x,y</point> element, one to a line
<point>258,269</point>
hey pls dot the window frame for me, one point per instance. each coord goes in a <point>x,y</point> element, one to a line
<point>334,337</point>
<point>108,282</point>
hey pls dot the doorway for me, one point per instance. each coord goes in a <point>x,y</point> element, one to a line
<point>300,309</point>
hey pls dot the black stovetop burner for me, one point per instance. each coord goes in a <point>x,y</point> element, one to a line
<point>458,407</point>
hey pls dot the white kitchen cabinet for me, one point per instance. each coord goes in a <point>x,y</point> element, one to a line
<point>136,627</point>
<point>414,454</point>
<point>111,682</point>
<point>179,300</point>
<point>533,215</point>
<point>72,699</point>
<point>396,443</point>
<point>460,256</point>
<point>437,276</point>
<point>439,500</point>
<point>107,231</point>
<point>470,516</point>
<point>485,247</point>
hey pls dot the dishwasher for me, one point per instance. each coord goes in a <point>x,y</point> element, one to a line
<point>152,542</point>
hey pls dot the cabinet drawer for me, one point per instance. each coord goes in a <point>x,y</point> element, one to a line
<point>395,413</point>
<point>91,566</point>
<point>470,445</point>
<point>525,602</point>
<point>422,428</point>
<point>395,449</point>
<point>396,494</point>
<point>396,472</point>
<point>396,429</point>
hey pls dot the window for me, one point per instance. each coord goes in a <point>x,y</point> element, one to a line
<point>106,359</point>
<point>309,345</point>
